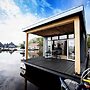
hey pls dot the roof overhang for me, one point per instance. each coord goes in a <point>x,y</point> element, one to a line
<point>59,24</point>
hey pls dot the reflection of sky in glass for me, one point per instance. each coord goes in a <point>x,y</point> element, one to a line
<point>71,42</point>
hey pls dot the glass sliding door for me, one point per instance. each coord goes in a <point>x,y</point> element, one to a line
<point>71,49</point>
<point>67,46</point>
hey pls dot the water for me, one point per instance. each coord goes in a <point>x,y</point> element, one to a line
<point>10,78</point>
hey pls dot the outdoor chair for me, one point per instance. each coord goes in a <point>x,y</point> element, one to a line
<point>48,54</point>
<point>57,52</point>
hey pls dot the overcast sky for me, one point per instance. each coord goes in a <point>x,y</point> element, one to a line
<point>18,14</point>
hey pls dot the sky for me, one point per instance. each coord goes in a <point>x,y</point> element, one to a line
<point>18,14</point>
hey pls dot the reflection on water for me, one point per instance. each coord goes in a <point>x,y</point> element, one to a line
<point>10,78</point>
<point>9,69</point>
<point>10,61</point>
<point>10,51</point>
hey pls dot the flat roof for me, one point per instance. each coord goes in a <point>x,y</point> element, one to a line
<point>52,24</point>
<point>58,16</point>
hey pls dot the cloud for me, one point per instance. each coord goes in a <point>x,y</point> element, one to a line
<point>56,11</point>
<point>44,3</point>
<point>9,8</point>
<point>40,7</point>
<point>88,3</point>
<point>13,21</point>
<point>35,2</point>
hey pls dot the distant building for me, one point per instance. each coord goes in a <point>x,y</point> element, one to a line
<point>5,46</point>
<point>1,45</point>
<point>11,45</point>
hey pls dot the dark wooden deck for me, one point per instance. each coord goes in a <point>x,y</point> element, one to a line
<point>59,67</point>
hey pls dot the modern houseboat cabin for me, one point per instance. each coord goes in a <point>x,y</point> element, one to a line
<point>64,47</point>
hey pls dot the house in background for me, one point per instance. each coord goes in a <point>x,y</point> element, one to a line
<point>64,36</point>
<point>5,46</point>
<point>1,45</point>
<point>34,46</point>
<point>11,45</point>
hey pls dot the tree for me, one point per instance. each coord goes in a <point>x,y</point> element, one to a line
<point>38,40</point>
<point>88,42</point>
<point>22,46</point>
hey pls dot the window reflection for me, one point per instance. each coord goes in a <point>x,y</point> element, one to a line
<point>71,49</point>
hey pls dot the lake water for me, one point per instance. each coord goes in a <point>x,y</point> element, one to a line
<point>10,78</point>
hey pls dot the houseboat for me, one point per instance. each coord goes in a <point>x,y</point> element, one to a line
<point>64,50</point>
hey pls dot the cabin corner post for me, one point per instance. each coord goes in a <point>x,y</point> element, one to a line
<point>26,53</point>
<point>77,45</point>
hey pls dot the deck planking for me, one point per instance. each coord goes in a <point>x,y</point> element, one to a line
<point>60,67</point>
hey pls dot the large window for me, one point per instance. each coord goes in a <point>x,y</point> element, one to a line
<point>66,44</point>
